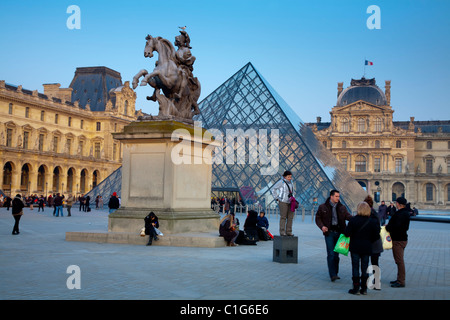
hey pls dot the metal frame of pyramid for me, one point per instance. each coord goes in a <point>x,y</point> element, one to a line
<point>247,101</point>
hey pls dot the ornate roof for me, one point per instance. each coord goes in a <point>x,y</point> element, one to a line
<point>362,89</point>
<point>92,85</point>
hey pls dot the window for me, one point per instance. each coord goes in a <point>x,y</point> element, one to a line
<point>429,190</point>
<point>360,164</point>
<point>56,118</point>
<point>344,144</point>
<point>377,124</point>
<point>69,122</point>
<point>26,138</point>
<point>398,144</point>
<point>344,125</point>
<point>125,108</point>
<point>99,126</point>
<point>377,144</point>
<point>448,192</point>
<point>429,145</point>
<point>55,144</point>
<point>448,145</point>
<point>429,165</point>
<point>9,134</point>
<point>10,110</point>
<point>42,115</point>
<point>377,164</point>
<point>344,162</point>
<point>361,125</point>
<point>398,165</point>
<point>27,112</point>
<point>324,144</point>
<point>97,150</point>
<point>69,146</point>
<point>81,124</point>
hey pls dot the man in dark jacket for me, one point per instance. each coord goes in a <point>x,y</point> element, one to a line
<point>113,203</point>
<point>58,203</point>
<point>17,212</point>
<point>382,213</point>
<point>398,226</point>
<point>330,218</point>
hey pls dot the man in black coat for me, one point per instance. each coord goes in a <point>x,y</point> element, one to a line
<point>398,226</point>
<point>330,218</point>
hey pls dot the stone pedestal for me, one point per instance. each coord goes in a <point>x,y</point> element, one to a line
<point>167,169</point>
<point>285,249</point>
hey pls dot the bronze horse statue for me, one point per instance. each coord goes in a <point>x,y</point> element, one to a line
<point>173,75</point>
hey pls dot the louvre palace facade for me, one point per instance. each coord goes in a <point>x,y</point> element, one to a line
<point>388,158</point>
<point>61,140</point>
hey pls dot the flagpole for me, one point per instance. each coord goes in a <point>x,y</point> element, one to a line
<point>364,67</point>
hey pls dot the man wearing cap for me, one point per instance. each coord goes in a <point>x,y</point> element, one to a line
<point>113,203</point>
<point>398,226</point>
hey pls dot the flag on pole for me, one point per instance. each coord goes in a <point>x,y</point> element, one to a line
<point>369,63</point>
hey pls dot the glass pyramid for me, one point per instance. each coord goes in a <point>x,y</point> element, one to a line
<point>246,101</point>
<point>113,183</point>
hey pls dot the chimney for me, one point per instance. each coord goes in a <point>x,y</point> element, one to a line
<point>319,119</point>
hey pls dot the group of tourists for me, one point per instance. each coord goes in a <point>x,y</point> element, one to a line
<point>363,229</point>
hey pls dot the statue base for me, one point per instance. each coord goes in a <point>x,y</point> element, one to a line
<point>167,169</point>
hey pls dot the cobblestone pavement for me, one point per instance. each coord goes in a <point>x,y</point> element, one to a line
<point>33,265</point>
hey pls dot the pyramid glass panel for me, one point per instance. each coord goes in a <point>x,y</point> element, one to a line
<point>247,102</point>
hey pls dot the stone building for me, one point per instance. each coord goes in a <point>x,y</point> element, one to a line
<point>388,158</point>
<point>61,140</point>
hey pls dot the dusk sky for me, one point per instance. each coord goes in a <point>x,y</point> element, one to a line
<point>302,48</point>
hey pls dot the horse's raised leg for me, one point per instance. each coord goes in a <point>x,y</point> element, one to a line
<point>141,73</point>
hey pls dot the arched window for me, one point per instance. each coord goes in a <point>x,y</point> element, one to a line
<point>360,164</point>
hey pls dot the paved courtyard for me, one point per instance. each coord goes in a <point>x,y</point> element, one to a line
<point>33,265</point>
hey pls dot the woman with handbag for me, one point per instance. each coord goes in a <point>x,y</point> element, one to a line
<point>363,231</point>
<point>17,212</point>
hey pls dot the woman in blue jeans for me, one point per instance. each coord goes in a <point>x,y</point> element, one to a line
<point>363,231</point>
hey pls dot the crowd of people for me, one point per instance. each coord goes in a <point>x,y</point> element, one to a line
<point>57,202</point>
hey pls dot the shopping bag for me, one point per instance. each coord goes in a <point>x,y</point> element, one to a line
<point>143,232</point>
<point>159,233</point>
<point>342,245</point>
<point>386,238</point>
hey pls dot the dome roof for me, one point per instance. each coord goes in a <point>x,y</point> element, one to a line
<point>363,89</point>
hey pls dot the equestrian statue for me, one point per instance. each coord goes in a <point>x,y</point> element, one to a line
<point>173,75</point>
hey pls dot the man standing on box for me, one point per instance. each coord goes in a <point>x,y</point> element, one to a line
<point>282,192</point>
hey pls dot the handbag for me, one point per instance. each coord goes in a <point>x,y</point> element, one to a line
<point>294,202</point>
<point>342,245</point>
<point>386,238</point>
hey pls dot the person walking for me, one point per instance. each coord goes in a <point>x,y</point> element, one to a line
<point>363,232</point>
<point>282,192</point>
<point>330,218</point>
<point>17,212</point>
<point>69,203</point>
<point>397,227</point>
<point>382,213</point>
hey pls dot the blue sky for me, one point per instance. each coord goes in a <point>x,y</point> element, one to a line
<point>302,48</point>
